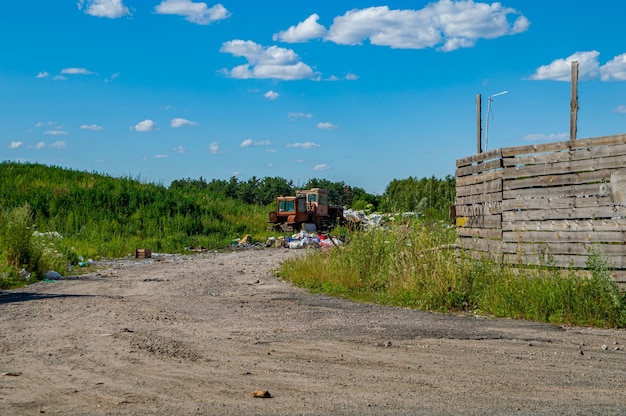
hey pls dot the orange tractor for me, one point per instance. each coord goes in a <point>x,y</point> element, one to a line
<point>307,207</point>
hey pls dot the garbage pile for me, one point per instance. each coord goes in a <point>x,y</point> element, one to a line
<point>366,221</point>
<point>304,239</point>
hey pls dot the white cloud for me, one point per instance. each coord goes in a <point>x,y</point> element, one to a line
<point>181,122</point>
<point>588,68</point>
<point>144,126</point>
<point>620,109</point>
<point>194,12</point>
<point>58,145</point>
<point>112,78</point>
<point>251,143</point>
<point>43,74</point>
<point>351,77</point>
<point>214,148</point>
<point>327,126</point>
<point>270,150</point>
<point>294,116</point>
<point>76,71</point>
<point>305,145</point>
<point>265,62</point>
<point>446,24</point>
<point>179,149</point>
<point>302,32</point>
<point>40,145</point>
<point>93,127</point>
<point>561,69</point>
<point>321,167</point>
<point>236,173</point>
<point>15,145</point>
<point>540,137</point>
<point>160,156</point>
<point>56,132</point>
<point>59,78</point>
<point>104,8</point>
<point>271,95</point>
<point>615,69</point>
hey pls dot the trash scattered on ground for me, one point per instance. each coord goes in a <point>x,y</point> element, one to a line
<point>367,221</point>
<point>197,249</point>
<point>305,239</point>
<point>52,275</point>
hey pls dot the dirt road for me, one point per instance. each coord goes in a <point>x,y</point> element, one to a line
<point>197,334</point>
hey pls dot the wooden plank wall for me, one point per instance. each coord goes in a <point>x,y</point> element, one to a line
<point>478,207</point>
<point>545,203</point>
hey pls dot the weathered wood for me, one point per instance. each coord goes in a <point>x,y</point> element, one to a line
<point>573,117</point>
<point>479,158</point>
<point>565,225</point>
<point>479,129</point>
<point>480,188</point>
<point>558,180</point>
<point>545,204</point>
<point>478,178</point>
<point>579,249</point>
<point>568,191</point>
<point>611,162</point>
<point>479,168</point>
<point>565,156</point>
<point>493,198</point>
<point>568,213</point>
<point>564,145</point>
<point>564,236</point>
<point>479,244</point>
<point>494,234</point>
<point>480,221</point>
<point>553,203</point>
<point>478,209</point>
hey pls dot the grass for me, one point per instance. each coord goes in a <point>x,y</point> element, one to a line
<point>413,266</point>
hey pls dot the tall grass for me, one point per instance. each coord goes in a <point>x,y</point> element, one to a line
<point>25,256</point>
<point>415,265</point>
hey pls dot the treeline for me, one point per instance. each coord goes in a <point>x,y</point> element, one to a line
<point>263,191</point>
<point>430,196</point>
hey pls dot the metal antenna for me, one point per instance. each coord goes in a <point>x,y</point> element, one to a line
<point>488,113</point>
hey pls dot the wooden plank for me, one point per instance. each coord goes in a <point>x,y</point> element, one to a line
<point>564,236</point>
<point>481,167</point>
<point>554,203</point>
<point>564,145</point>
<point>480,188</point>
<point>566,225</point>
<point>479,244</point>
<point>581,249</point>
<point>612,162</point>
<point>481,221</point>
<point>478,178</point>
<point>567,191</point>
<point>479,158</point>
<point>494,234</point>
<point>494,198</point>
<point>594,212</point>
<point>565,156</point>
<point>478,209</point>
<point>558,180</point>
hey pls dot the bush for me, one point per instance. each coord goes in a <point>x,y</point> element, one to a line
<point>25,254</point>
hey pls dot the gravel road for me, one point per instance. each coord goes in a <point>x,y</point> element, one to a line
<point>183,335</point>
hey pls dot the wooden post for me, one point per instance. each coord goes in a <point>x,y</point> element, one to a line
<point>479,129</point>
<point>573,105</point>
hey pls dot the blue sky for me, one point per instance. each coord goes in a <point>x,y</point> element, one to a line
<point>356,91</point>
